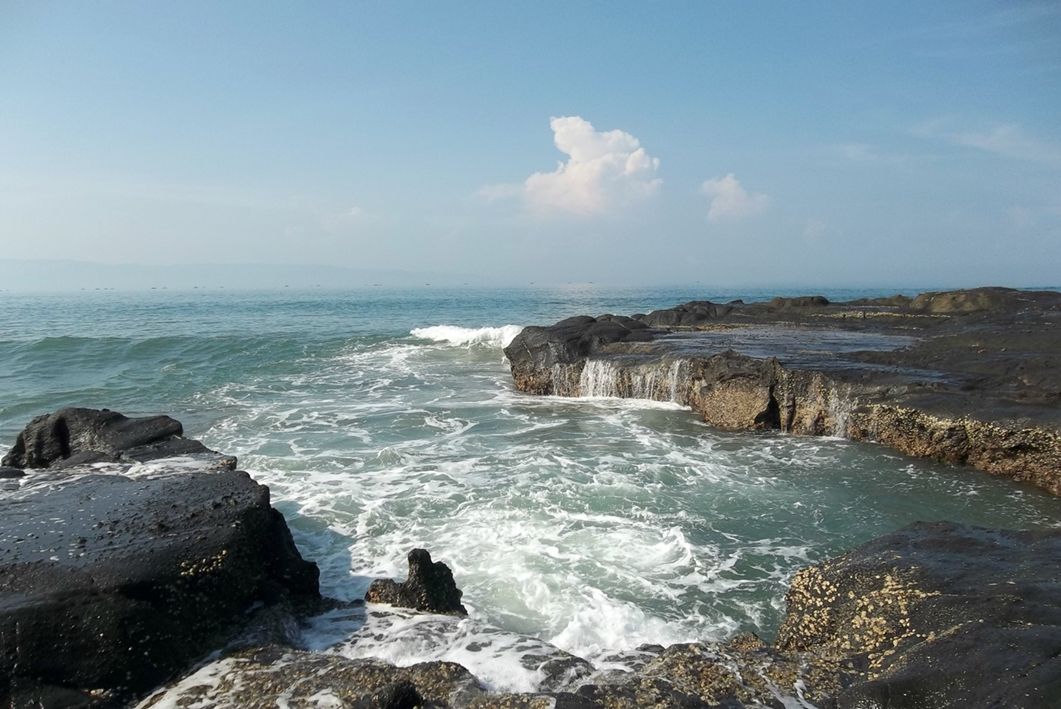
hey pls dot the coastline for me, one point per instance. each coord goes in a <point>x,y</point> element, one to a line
<point>969,377</point>
<point>913,616</point>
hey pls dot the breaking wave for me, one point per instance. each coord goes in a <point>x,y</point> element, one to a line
<point>453,335</point>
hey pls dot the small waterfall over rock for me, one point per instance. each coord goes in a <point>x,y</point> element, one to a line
<point>658,381</point>
<point>840,407</point>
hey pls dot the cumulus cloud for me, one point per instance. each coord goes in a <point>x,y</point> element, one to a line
<point>730,201</point>
<point>604,171</point>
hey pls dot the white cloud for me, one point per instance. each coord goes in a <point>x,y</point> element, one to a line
<point>1006,140</point>
<point>1010,141</point>
<point>730,201</point>
<point>604,172</point>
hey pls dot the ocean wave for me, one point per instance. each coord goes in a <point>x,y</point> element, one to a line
<point>453,335</point>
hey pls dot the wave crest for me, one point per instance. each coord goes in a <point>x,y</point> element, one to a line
<point>453,335</point>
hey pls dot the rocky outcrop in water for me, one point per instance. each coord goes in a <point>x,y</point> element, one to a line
<point>74,436</point>
<point>114,578</point>
<point>538,350</point>
<point>974,377</point>
<point>429,587</point>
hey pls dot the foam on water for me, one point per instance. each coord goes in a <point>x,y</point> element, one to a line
<point>450,334</point>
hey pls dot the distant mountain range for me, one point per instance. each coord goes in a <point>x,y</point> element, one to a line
<point>59,275</point>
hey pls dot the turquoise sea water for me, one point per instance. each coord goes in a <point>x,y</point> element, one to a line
<point>593,525</point>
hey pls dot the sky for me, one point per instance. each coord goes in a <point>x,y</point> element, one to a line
<point>831,144</point>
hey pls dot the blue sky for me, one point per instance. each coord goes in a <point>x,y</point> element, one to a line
<point>729,143</point>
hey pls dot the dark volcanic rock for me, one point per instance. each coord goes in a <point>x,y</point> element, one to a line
<point>267,676</point>
<point>75,436</point>
<point>937,615</point>
<point>985,299</point>
<point>537,349</point>
<point>689,314</point>
<point>430,587</point>
<point>803,301</point>
<point>111,583</point>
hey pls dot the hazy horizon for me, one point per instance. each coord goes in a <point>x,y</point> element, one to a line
<point>44,276</point>
<point>617,143</point>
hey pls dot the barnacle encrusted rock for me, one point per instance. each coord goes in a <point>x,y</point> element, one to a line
<point>936,614</point>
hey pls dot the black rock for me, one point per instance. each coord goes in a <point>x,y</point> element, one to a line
<point>537,349</point>
<point>430,587</point>
<point>75,436</point>
<point>696,312</point>
<point>937,614</point>
<point>397,695</point>
<point>112,583</point>
<point>803,301</point>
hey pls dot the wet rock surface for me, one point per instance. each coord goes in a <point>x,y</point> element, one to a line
<point>537,350</point>
<point>429,587</point>
<point>115,577</point>
<point>76,436</point>
<point>266,676</point>
<point>967,377</point>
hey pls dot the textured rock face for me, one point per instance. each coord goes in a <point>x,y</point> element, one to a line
<point>75,436</point>
<point>113,580</point>
<point>275,676</point>
<point>1031,455</point>
<point>430,587</point>
<point>937,615</point>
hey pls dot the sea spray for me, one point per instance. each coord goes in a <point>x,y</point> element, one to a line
<point>453,335</point>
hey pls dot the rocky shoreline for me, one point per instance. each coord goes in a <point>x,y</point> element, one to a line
<point>140,568</point>
<point>964,377</point>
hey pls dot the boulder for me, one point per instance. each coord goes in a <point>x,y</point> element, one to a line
<point>429,587</point>
<point>536,350</point>
<point>76,436</point>
<point>696,312</point>
<point>111,583</point>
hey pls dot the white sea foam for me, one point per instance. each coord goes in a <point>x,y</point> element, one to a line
<point>453,335</point>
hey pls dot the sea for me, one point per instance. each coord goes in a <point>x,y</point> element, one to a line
<point>385,419</point>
